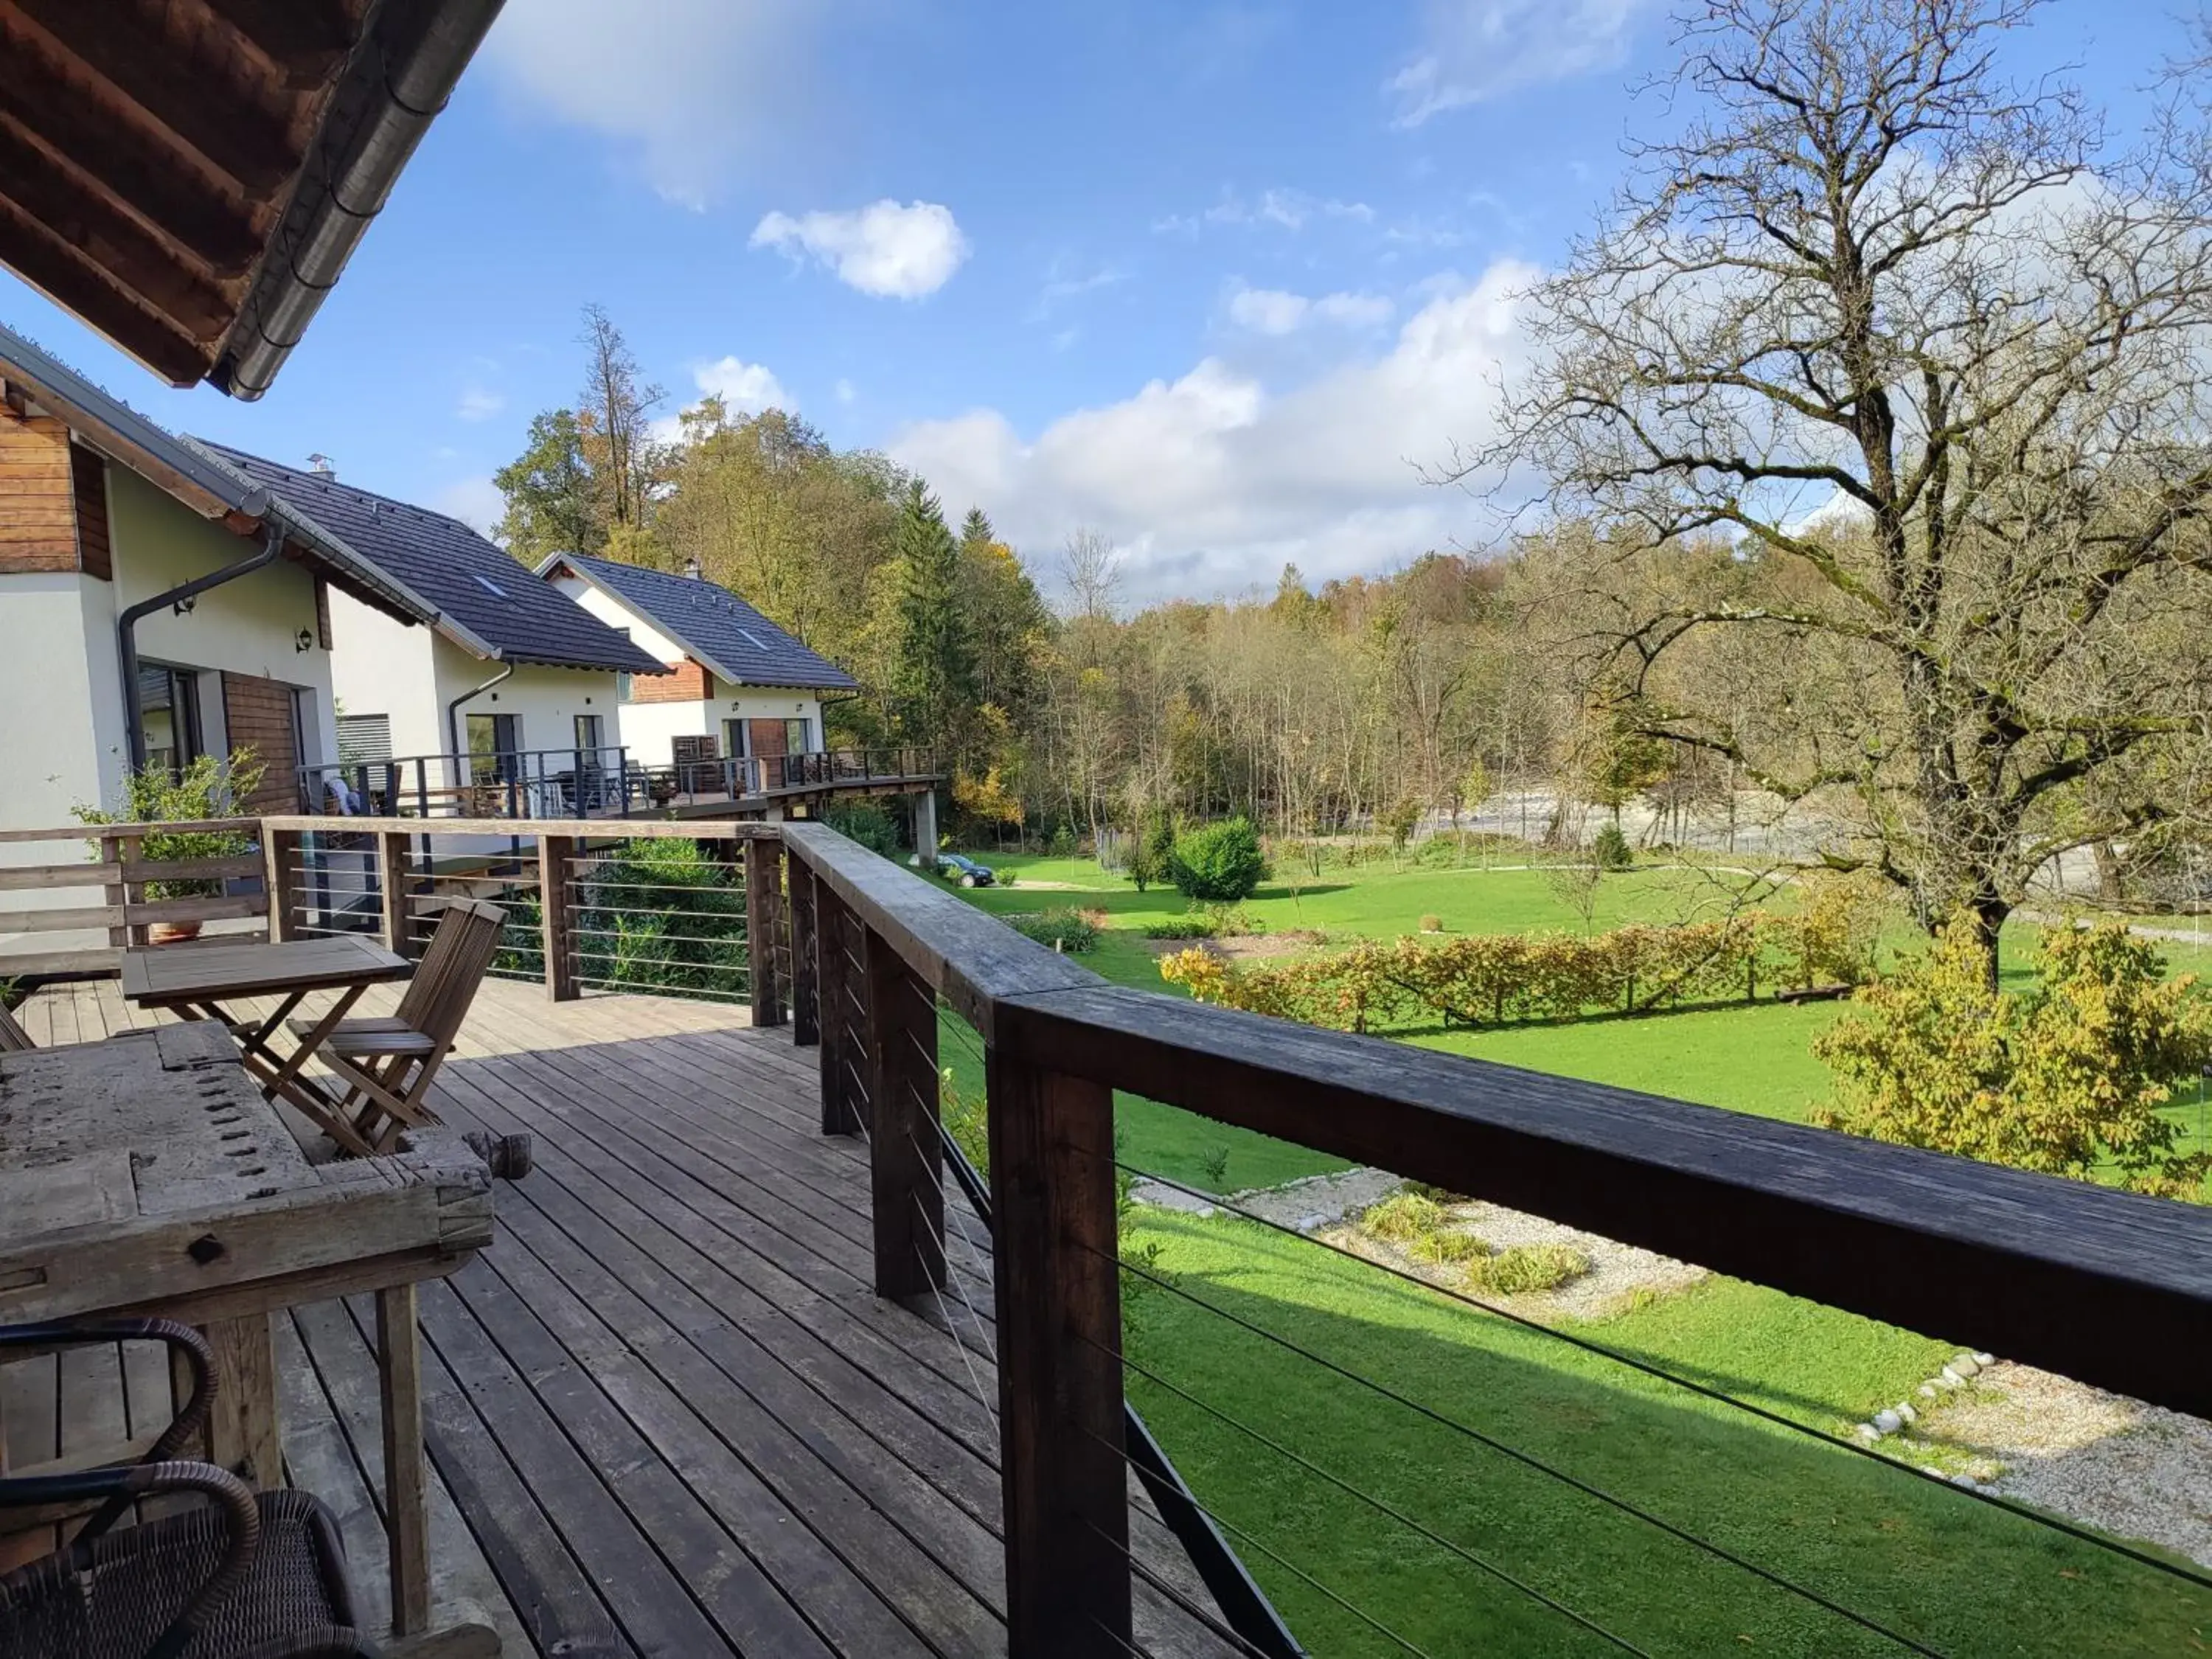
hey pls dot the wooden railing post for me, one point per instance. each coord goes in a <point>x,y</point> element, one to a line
<point>765,928</point>
<point>555,855</point>
<point>905,1162</point>
<point>116,851</point>
<point>841,1113</point>
<point>806,971</point>
<point>392,886</point>
<point>1056,1282</point>
<point>281,861</point>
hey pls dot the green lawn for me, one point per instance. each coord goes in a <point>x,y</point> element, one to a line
<point>1927,1561</point>
<point>1924,1560</point>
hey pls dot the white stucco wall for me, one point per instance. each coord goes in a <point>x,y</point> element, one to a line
<point>381,665</point>
<point>59,665</point>
<point>620,617</point>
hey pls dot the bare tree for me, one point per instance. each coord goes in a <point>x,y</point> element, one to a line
<point>1091,570</point>
<point>1869,276</point>
<point>616,406</point>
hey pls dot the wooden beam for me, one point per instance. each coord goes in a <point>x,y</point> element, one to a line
<point>392,870</point>
<point>106,238</point>
<point>1056,1282</point>
<point>554,909</point>
<point>806,971</point>
<point>763,927</point>
<point>906,1163</point>
<point>306,39</point>
<point>129,168</point>
<point>242,1429</point>
<point>147,78</point>
<point>407,1517</point>
<point>29,250</point>
<point>841,1114</point>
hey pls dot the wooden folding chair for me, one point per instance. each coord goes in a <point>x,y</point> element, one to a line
<point>386,1064</point>
<point>14,1039</point>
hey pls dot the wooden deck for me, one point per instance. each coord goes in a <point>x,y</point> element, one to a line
<point>667,1414</point>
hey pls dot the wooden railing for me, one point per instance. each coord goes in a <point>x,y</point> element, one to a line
<point>2108,1287</point>
<point>118,876</point>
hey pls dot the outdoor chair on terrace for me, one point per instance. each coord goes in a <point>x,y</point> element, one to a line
<point>14,1039</point>
<point>386,1064</point>
<point>246,1576</point>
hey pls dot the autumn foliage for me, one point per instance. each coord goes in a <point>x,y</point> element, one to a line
<point>1499,979</point>
<point>2065,1080</point>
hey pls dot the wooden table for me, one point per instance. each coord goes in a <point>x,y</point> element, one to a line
<point>146,1174</point>
<point>195,982</point>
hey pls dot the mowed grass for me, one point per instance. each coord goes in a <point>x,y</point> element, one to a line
<point>1922,1560</point>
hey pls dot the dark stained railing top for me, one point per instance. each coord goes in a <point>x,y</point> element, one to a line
<point>2110,1287</point>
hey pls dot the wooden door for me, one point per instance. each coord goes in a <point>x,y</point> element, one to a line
<point>261,715</point>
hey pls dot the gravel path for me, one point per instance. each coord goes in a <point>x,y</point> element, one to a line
<point>1326,1205</point>
<point>2138,1470</point>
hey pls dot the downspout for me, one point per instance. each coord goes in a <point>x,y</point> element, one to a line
<point>453,715</point>
<point>126,626</point>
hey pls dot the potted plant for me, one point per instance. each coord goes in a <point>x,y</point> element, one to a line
<point>203,789</point>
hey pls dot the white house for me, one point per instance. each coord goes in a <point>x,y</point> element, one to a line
<point>514,689</point>
<point>157,605</point>
<point>737,686</point>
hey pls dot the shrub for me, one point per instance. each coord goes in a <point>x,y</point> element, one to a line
<point>1180,927</point>
<point>1219,864</point>
<point>1527,1267</point>
<point>1400,821</point>
<point>1229,921</point>
<point>2060,1080</point>
<point>1063,930</point>
<point>1611,849</point>
<point>1063,841</point>
<point>1432,924</point>
<point>870,826</point>
<point>1216,1165</point>
<point>661,916</point>
<point>206,788</point>
<point>1401,1218</point>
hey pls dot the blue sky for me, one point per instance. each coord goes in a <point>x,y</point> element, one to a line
<point>1216,279</point>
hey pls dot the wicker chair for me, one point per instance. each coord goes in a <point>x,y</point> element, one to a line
<point>248,1575</point>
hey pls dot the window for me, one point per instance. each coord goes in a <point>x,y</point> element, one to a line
<point>364,739</point>
<point>169,715</point>
<point>589,735</point>
<point>737,740</point>
<point>491,586</point>
<point>621,686</point>
<point>795,740</point>
<point>493,742</point>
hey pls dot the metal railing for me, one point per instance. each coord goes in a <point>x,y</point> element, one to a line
<point>587,783</point>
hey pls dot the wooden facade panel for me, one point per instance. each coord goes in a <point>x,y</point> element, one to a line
<point>89,476</point>
<point>38,513</point>
<point>259,714</point>
<point>767,738</point>
<point>688,682</point>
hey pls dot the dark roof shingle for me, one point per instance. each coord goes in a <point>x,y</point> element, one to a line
<point>715,625</point>
<point>488,597</point>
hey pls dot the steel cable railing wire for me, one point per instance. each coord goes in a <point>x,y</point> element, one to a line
<point>1530,1460</point>
<point>2056,1523</point>
<point>1177,1597</point>
<point>1287,1566</point>
<point>1378,1505</point>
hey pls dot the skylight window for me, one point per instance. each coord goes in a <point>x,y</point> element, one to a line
<point>491,586</point>
<point>751,639</point>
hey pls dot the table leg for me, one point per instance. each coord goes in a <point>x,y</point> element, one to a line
<point>399,1355</point>
<point>242,1428</point>
<point>255,1045</point>
<point>315,1038</point>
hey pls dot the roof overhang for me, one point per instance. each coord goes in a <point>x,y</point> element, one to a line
<point>545,566</point>
<point>189,176</point>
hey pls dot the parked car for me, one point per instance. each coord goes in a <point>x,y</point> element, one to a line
<point>965,871</point>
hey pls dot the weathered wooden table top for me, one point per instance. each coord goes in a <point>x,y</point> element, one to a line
<point>148,1166</point>
<point>206,972</point>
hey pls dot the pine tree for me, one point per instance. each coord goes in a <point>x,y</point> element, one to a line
<point>934,670</point>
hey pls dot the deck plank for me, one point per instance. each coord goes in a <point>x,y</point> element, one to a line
<point>667,1412</point>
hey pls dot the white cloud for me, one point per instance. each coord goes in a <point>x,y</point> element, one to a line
<point>476,503</point>
<point>742,386</point>
<point>1282,210</point>
<point>885,249</point>
<point>1477,49</point>
<point>1272,311</point>
<point>478,402</point>
<point>1211,482</point>
<point>692,95</point>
